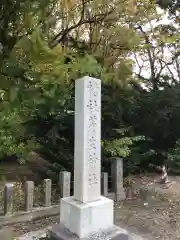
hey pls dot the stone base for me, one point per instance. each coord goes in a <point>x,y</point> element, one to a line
<point>58,232</point>
<point>82,219</point>
<point>120,196</point>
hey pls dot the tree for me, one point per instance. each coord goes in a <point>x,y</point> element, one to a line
<point>32,74</point>
<point>156,116</point>
<point>157,59</point>
<point>53,48</point>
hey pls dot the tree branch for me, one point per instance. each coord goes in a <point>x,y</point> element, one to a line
<point>62,36</point>
<point>151,60</point>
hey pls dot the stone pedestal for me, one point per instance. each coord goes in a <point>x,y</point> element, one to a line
<point>83,219</point>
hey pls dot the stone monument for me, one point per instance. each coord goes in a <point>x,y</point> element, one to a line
<point>87,214</point>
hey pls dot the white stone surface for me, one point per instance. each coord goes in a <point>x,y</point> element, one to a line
<point>87,211</point>
<point>85,218</point>
<point>87,162</point>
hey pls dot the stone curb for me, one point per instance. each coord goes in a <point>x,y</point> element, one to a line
<point>35,214</point>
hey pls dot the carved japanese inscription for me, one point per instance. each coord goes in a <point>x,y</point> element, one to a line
<point>87,139</point>
<point>93,107</point>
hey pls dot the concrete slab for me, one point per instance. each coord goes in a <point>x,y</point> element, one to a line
<point>58,232</point>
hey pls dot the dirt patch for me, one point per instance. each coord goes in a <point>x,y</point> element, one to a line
<point>153,219</point>
<point>156,214</point>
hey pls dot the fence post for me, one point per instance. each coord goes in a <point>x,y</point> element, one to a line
<point>29,195</point>
<point>47,192</point>
<point>65,183</point>
<point>117,178</point>
<point>104,183</point>
<point>8,198</point>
